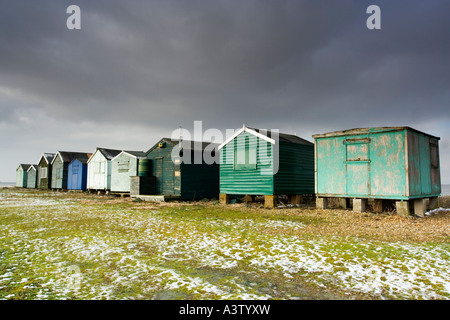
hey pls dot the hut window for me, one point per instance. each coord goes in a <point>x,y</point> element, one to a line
<point>43,173</point>
<point>357,152</point>
<point>245,155</point>
<point>101,167</point>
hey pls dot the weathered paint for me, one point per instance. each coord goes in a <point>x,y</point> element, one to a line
<point>59,170</point>
<point>32,177</point>
<point>383,163</point>
<point>45,171</point>
<point>21,175</point>
<point>294,173</point>
<point>77,175</point>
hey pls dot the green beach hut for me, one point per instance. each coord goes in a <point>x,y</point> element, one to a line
<point>44,179</point>
<point>257,162</point>
<point>399,164</point>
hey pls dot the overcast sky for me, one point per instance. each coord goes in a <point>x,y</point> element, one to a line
<point>137,70</point>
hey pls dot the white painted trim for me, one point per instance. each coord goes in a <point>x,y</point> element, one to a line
<point>92,156</point>
<point>57,155</point>
<point>129,154</point>
<point>251,131</point>
<point>118,155</point>
<point>32,167</point>
<point>260,135</point>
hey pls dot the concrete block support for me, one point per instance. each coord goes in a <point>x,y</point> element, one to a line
<point>270,201</point>
<point>224,198</point>
<point>322,203</point>
<point>402,208</point>
<point>434,203</point>
<point>377,205</point>
<point>343,203</point>
<point>359,205</point>
<point>420,207</point>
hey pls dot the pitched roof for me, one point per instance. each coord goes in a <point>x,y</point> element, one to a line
<point>48,157</point>
<point>267,135</point>
<point>186,144</point>
<point>33,167</point>
<point>68,156</point>
<point>284,137</point>
<point>24,166</point>
<point>136,154</point>
<point>109,153</point>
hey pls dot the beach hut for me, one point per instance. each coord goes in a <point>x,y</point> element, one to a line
<point>399,164</point>
<point>257,162</point>
<point>60,167</point>
<point>99,169</point>
<point>45,171</point>
<point>124,166</point>
<point>180,170</point>
<point>21,175</point>
<point>77,174</point>
<point>32,176</point>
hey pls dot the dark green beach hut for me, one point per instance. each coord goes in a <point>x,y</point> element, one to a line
<point>257,162</point>
<point>45,171</point>
<point>180,170</point>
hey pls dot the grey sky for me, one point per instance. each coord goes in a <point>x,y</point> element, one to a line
<point>137,70</point>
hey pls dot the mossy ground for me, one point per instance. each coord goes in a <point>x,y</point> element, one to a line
<point>128,249</point>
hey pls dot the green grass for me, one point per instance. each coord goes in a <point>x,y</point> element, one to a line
<point>125,250</point>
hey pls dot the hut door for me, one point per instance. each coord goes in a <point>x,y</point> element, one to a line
<point>357,167</point>
<point>75,169</point>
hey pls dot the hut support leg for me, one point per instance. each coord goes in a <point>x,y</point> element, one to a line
<point>359,205</point>
<point>224,198</point>
<point>343,203</point>
<point>402,208</point>
<point>434,203</point>
<point>377,205</point>
<point>270,201</point>
<point>420,207</point>
<point>296,199</point>
<point>322,203</point>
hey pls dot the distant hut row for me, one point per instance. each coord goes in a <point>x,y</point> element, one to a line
<point>350,168</point>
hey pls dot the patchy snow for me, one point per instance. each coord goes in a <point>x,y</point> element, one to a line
<point>436,211</point>
<point>145,251</point>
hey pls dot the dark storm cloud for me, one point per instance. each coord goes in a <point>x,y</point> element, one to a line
<point>311,66</point>
<point>200,59</point>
